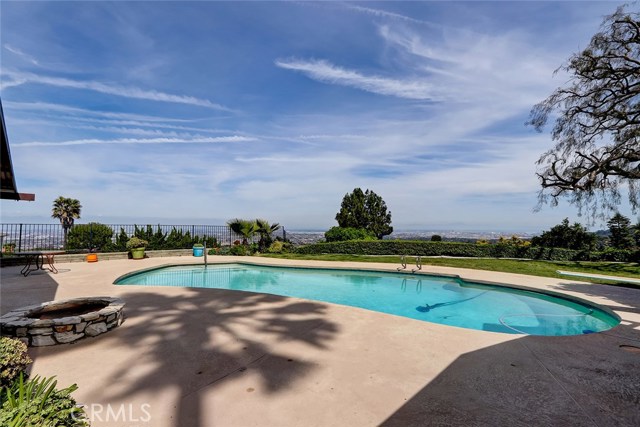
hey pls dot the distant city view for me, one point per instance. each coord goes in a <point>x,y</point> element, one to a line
<point>307,237</point>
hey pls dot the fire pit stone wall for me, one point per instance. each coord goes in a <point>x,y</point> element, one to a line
<point>37,325</point>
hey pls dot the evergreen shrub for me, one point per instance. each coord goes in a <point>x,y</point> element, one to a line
<point>456,249</point>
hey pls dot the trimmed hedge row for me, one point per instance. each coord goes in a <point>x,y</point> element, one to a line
<point>427,248</point>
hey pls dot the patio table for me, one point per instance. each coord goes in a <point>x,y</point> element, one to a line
<point>37,259</point>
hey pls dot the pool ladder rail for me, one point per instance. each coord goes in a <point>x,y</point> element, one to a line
<point>418,264</point>
<point>403,263</point>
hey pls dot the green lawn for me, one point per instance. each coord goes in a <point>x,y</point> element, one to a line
<point>533,268</point>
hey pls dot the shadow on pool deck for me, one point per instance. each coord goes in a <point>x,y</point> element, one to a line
<point>197,342</point>
<point>540,381</point>
<point>18,291</point>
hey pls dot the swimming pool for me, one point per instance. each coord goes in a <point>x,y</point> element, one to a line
<point>445,300</point>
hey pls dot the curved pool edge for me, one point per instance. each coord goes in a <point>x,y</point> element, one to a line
<point>393,270</point>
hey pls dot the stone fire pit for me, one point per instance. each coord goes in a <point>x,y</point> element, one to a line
<point>63,321</point>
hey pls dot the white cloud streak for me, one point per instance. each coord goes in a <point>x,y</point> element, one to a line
<point>206,140</point>
<point>326,72</point>
<point>48,107</point>
<point>386,14</point>
<point>111,89</point>
<point>75,114</point>
<point>21,54</point>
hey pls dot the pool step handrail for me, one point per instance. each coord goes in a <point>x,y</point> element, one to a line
<point>418,264</point>
<point>403,263</point>
<point>205,254</point>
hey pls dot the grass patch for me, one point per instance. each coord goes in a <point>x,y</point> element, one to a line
<point>530,267</point>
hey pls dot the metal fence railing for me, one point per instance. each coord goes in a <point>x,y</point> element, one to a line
<point>25,237</point>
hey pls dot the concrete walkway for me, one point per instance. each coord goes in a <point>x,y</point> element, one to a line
<point>188,357</point>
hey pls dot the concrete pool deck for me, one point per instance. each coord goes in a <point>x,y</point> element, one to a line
<point>202,357</point>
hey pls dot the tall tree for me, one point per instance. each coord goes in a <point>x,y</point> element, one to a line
<point>636,234</point>
<point>621,232</point>
<point>597,129</point>
<point>67,210</point>
<point>365,210</point>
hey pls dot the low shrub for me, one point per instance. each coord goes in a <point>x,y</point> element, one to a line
<point>93,236</point>
<point>13,360</point>
<point>427,248</point>
<point>398,247</point>
<point>223,250</point>
<point>279,247</point>
<point>37,403</point>
<point>611,254</point>
<point>238,250</point>
<point>340,234</point>
<point>276,247</point>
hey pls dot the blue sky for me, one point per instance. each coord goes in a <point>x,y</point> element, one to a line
<point>198,112</point>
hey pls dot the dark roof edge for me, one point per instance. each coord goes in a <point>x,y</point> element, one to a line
<point>9,190</point>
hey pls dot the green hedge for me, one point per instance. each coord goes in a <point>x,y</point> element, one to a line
<point>341,234</point>
<point>93,236</point>
<point>427,248</point>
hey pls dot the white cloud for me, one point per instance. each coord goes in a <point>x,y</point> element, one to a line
<point>21,54</point>
<point>386,14</point>
<point>200,140</point>
<point>504,69</point>
<point>326,72</point>
<point>105,121</point>
<point>49,107</point>
<point>111,89</point>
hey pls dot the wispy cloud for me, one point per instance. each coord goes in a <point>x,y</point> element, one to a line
<point>206,140</point>
<point>111,89</point>
<point>326,72</point>
<point>386,14</point>
<point>64,115</point>
<point>21,54</point>
<point>48,107</point>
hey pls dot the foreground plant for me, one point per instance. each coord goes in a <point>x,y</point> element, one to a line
<point>37,403</point>
<point>13,360</point>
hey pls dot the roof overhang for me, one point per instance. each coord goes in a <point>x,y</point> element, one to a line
<point>8,189</point>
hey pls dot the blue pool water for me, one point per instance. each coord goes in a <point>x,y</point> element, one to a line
<point>444,300</point>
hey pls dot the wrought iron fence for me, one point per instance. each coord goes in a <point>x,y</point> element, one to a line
<point>25,237</point>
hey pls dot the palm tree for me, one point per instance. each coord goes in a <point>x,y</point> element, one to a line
<point>66,210</point>
<point>243,227</point>
<point>266,230</point>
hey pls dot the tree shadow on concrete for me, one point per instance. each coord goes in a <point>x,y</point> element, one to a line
<point>206,338</point>
<point>19,291</point>
<point>532,381</point>
<point>622,298</point>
